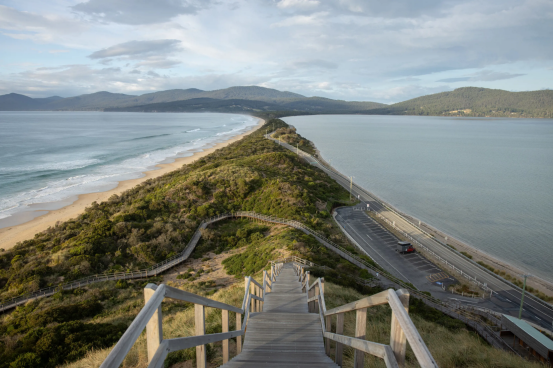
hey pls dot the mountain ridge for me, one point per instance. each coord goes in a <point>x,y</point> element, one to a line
<point>464,101</point>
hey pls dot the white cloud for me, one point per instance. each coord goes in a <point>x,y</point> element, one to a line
<point>137,49</point>
<point>38,27</point>
<point>283,4</point>
<point>484,75</point>
<point>302,20</point>
<point>138,11</point>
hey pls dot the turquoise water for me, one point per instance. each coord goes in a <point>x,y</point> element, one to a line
<point>47,158</point>
<point>485,181</point>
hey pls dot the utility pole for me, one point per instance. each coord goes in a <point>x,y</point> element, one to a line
<point>350,187</point>
<point>522,298</point>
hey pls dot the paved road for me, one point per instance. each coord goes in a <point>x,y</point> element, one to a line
<point>506,298</point>
<point>381,246</point>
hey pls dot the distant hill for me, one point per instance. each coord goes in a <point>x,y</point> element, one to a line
<point>93,101</point>
<point>466,101</point>
<point>261,98</point>
<point>21,102</point>
<point>204,104</point>
<point>478,102</point>
<point>327,106</point>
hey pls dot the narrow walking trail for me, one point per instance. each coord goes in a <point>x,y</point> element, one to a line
<point>285,334</point>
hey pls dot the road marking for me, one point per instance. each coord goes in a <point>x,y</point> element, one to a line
<point>468,302</point>
<point>426,269</point>
<point>369,237</point>
<point>379,254</point>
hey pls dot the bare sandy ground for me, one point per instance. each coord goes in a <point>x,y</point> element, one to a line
<point>10,236</point>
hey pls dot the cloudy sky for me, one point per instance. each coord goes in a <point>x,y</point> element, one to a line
<point>372,50</point>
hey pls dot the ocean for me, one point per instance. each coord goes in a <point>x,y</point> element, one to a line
<point>48,158</point>
<point>485,181</point>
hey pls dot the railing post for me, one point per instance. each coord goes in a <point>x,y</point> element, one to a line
<point>258,294</point>
<point>360,332</point>
<point>154,329</point>
<point>199,311</point>
<point>264,288</point>
<point>224,330</point>
<point>398,341</point>
<point>239,338</point>
<point>316,293</point>
<point>252,301</point>
<point>328,328</point>
<point>339,330</point>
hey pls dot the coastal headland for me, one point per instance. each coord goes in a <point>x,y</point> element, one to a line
<point>10,236</point>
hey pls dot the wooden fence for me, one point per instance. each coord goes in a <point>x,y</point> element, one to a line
<point>402,330</point>
<point>150,317</point>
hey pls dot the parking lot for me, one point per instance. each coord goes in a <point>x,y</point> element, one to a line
<point>381,245</point>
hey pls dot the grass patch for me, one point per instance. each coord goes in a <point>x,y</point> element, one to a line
<point>451,344</point>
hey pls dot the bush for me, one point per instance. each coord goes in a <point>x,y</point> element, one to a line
<point>53,346</point>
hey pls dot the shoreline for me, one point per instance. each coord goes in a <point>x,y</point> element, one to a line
<point>11,235</point>
<point>536,282</point>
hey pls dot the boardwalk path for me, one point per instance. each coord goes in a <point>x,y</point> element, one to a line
<point>284,334</point>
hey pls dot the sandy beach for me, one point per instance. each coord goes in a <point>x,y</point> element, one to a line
<point>10,236</point>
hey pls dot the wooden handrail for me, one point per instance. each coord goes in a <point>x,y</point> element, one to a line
<point>175,293</point>
<point>374,300</point>
<point>150,317</point>
<point>402,331</point>
<point>116,356</point>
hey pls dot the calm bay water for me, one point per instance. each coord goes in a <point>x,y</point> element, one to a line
<point>485,181</point>
<point>47,158</point>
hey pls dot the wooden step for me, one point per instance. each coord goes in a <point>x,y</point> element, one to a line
<point>284,335</point>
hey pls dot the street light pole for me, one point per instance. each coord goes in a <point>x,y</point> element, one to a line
<point>350,187</point>
<point>522,298</point>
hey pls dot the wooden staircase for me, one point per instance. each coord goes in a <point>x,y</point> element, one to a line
<point>285,323</point>
<point>285,334</point>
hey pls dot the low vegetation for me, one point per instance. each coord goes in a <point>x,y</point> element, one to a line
<point>452,345</point>
<point>517,282</point>
<point>290,136</point>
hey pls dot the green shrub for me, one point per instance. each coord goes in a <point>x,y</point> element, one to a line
<point>53,346</point>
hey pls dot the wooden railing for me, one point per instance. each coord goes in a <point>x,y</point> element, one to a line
<point>150,317</point>
<point>295,259</point>
<point>402,330</point>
